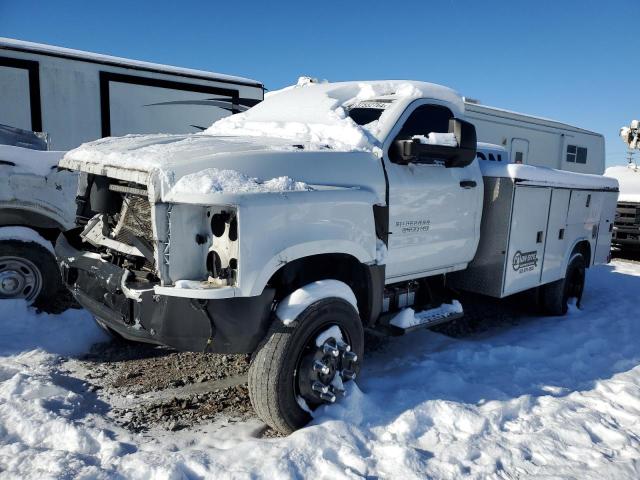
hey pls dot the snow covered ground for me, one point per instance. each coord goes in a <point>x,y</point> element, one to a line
<point>545,398</point>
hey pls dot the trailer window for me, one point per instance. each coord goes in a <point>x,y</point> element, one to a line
<point>519,156</point>
<point>576,154</point>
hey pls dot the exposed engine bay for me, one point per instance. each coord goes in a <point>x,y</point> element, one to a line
<point>127,230</point>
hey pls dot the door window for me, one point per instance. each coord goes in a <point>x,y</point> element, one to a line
<point>424,120</point>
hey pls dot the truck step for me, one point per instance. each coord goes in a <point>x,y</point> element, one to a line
<point>399,323</point>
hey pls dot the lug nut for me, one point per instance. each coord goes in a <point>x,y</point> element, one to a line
<point>348,374</point>
<point>344,347</point>
<point>339,392</point>
<point>328,397</point>
<point>350,357</point>
<point>329,349</point>
<point>318,366</point>
<point>320,387</point>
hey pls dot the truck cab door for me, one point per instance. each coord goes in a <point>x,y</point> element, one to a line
<point>434,211</point>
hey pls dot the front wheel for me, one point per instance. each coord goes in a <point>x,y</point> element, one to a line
<point>305,364</point>
<point>555,295</point>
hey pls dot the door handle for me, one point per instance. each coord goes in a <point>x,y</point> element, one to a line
<point>468,183</point>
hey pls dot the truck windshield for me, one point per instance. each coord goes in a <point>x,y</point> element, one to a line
<point>364,116</point>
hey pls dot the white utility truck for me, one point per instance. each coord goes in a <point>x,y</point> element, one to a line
<point>69,97</point>
<point>287,230</point>
<point>626,229</point>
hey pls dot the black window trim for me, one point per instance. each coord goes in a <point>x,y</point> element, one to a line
<point>33,70</point>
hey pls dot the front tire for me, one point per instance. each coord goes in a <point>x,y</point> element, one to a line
<point>555,295</point>
<point>29,272</point>
<point>287,378</point>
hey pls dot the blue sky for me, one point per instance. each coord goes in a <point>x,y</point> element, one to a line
<point>574,61</point>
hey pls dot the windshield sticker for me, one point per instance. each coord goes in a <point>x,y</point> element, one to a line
<point>380,105</point>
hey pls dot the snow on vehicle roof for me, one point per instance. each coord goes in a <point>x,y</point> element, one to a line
<point>628,177</point>
<point>547,176</point>
<point>317,113</point>
<point>21,45</point>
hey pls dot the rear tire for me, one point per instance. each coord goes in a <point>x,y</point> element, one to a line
<point>29,271</point>
<point>554,297</point>
<point>280,370</point>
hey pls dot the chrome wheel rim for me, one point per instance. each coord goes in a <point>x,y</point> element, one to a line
<point>323,369</point>
<point>19,279</point>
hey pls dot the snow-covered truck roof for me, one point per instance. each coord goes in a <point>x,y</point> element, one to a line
<point>628,176</point>
<point>61,52</point>
<point>322,114</point>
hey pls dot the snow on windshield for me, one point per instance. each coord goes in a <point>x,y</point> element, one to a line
<point>320,114</point>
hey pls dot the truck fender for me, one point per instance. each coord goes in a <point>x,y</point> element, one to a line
<point>576,244</point>
<point>306,249</point>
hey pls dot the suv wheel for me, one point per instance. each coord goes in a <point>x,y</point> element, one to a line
<point>29,272</point>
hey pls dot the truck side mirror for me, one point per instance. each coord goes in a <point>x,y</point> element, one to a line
<point>418,151</point>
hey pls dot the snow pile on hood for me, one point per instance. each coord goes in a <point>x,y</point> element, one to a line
<point>26,160</point>
<point>547,176</point>
<point>315,114</point>
<point>213,180</point>
<point>629,179</point>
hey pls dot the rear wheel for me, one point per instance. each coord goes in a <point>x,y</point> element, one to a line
<point>304,365</point>
<point>29,272</point>
<point>555,296</point>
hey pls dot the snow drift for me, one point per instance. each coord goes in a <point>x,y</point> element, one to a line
<point>545,397</point>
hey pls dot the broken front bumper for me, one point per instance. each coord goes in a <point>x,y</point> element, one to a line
<point>137,312</point>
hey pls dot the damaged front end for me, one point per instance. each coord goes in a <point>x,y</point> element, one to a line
<point>160,272</point>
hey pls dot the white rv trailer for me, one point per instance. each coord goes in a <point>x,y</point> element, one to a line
<point>77,96</point>
<point>74,97</point>
<point>538,141</point>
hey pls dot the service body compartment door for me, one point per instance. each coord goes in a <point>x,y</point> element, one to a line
<point>556,245</point>
<point>526,239</point>
<point>607,217</point>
